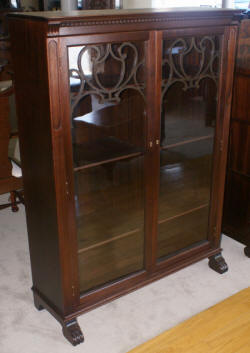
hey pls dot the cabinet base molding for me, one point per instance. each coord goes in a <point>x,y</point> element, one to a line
<point>247,251</point>
<point>218,263</point>
<point>70,327</point>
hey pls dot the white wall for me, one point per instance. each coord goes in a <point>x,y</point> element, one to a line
<point>67,5</point>
<point>131,4</point>
<point>137,4</point>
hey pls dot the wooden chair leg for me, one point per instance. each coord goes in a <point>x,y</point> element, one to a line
<point>13,201</point>
<point>20,196</point>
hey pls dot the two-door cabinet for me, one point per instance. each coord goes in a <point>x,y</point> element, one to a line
<point>124,123</point>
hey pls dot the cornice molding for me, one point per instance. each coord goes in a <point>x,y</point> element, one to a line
<point>134,20</point>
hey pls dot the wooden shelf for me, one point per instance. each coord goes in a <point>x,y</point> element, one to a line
<point>111,261</point>
<point>102,151</point>
<point>183,213</point>
<point>178,233</point>
<point>181,143</point>
<point>185,185</point>
<point>105,226</point>
<point>107,117</point>
<point>110,240</point>
<point>109,202</point>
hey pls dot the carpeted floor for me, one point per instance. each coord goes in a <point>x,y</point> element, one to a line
<point>118,326</point>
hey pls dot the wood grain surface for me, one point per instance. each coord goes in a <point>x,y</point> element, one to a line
<point>223,328</point>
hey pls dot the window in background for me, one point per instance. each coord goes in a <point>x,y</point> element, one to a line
<point>242,4</point>
<point>186,3</point>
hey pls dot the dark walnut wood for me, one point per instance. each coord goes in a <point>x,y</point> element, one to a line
<point>218,263</point>
<point>124,170</point>
<point>236,218</point>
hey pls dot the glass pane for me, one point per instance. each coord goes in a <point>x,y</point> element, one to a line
<point>108,134</point>
<point>185,176</point>
<point>189,95</point>
<point>110,221</point>
<point>107,100</point>
<point>189,99</point>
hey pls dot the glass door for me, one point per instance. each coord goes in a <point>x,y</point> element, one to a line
<point>190,71</point>
<point>108,125</point>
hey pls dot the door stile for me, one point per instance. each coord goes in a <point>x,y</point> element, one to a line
<point>222,133</point>
<point>71,256</point>
<point>152,158</point>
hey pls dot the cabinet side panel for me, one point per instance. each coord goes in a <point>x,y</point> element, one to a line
<point>236,217</point>
<point>32,94</point>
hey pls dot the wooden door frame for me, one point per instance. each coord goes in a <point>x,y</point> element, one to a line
<point>99,295</point>
<point>228,35</point>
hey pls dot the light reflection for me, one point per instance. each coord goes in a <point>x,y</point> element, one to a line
<point>172,169</point>
<point>73,53</point>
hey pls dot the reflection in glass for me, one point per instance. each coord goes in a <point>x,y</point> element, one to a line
<point>108,134</point>
<point>107,100</point>
<point>189,88</point>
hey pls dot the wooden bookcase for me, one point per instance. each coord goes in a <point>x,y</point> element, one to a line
<point>124,123</point>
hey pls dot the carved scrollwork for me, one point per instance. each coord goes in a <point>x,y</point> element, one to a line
<point>91,81</point>
<point>178,51</point>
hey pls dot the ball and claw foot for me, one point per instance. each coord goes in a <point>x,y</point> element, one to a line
<point>218,264</point>
<point>72,331</point>
<point>247,251</point>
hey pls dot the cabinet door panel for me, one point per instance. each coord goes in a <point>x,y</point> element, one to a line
<point>107,88</point>
<point>183,231</point>
<point>190,71</point>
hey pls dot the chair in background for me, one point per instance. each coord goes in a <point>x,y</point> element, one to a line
<point>10,171</point>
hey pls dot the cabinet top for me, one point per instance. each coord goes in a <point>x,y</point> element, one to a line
<point>166,12</point>
<point>58,23</point>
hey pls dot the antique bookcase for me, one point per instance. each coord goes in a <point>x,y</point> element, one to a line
<point>124,123</point>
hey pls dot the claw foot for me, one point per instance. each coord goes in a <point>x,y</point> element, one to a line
<point>218,264</point>
<point>247,251</point>
<point>72,332</point>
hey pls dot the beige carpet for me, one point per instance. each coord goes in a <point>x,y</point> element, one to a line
<point>116,327</point>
